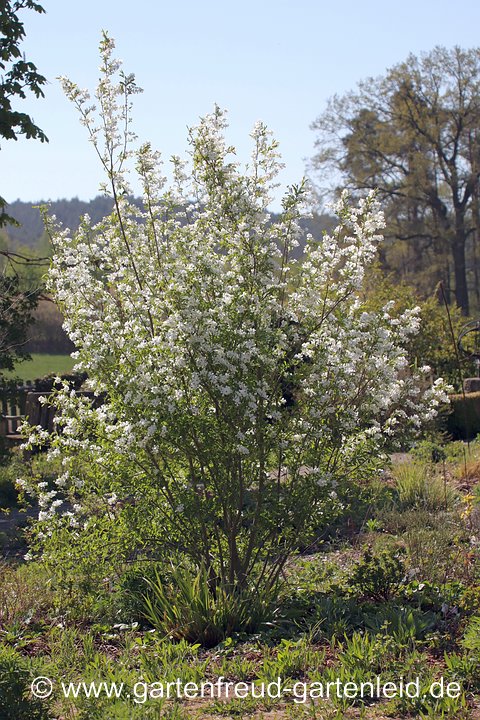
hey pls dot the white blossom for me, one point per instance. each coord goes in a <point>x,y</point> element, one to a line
<point>193,320</point>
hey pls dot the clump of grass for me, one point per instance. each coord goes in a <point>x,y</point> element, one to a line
<point>186,606</point>
<point>24,592</point>
<point>418,487</point>
<point>470,471</point>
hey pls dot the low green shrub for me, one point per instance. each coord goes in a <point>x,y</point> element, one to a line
<point>9,472</point>
<point>404,625</point>
<point>471,636</point>
<point>429,451</point>
<point>16,700</point>
<point>470,600</point>
<point>379,575</point>
<point>426,595</point>
<point>465,669</point>
<point>331,615</point>
<point>126,603</point>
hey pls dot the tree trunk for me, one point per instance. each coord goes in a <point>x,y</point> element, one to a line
<point>476,243</point>
<point>460,270</point>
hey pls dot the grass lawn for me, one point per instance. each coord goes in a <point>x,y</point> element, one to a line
<point>43,364</point>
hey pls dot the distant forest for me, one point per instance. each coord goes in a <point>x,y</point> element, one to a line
<point>69,212</point>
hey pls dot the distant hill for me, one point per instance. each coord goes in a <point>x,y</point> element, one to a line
<point>69,212</point>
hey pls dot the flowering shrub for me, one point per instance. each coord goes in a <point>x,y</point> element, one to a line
<point>242,388</point>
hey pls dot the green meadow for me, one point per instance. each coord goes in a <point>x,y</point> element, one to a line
<point>43,364</point>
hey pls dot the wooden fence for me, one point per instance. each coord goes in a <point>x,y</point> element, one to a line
<point>24,404</point>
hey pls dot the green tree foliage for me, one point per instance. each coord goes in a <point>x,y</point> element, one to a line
<point>434,345</point>
<point>414,135</point>
<point>15,315</point>
<point>16,307</point>
<point>18,76</point>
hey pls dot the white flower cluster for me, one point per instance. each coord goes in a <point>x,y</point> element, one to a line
<point>220,356</point>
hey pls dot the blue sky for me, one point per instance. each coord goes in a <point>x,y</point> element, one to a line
<point>274,60</point>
